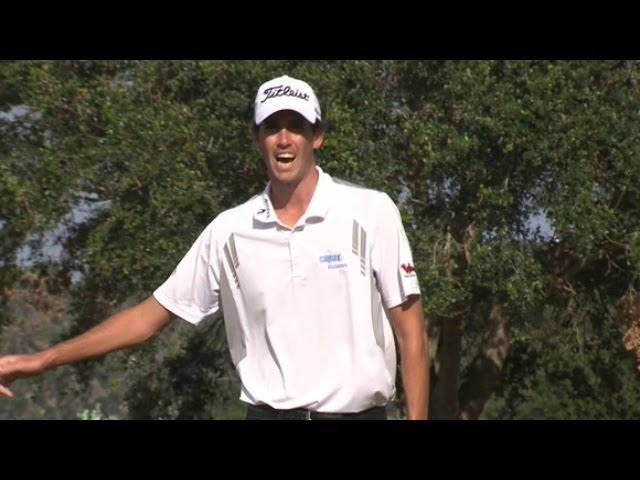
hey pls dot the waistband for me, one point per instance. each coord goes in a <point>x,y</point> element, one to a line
<point>268,412</point>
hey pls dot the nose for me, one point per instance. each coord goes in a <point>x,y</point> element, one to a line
<point>283,136</point>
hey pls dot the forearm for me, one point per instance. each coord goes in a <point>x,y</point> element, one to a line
<point>415,376</point>
<point>408,324</point>
<point>123,329</point>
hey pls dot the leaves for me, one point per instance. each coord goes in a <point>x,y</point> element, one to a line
<point>472,151</point>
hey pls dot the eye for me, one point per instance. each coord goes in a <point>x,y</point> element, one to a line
<point>297,126</point>
<point>270,126</point>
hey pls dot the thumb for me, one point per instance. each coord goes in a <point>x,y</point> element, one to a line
<point>5,392</point>
<point>5,376</point>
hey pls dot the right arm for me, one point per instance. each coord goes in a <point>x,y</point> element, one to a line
<point>126,328</point>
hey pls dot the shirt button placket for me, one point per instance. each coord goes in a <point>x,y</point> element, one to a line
<point>292,253</point>
<point>296,263</point>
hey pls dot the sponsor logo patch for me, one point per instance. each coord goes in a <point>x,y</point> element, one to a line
<point>332,260</point>
<point>407,267</point>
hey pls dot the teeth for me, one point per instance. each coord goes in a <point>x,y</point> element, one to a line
<point>285,157</point>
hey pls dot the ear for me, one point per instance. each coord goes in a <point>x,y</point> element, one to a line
<point>318,138</point>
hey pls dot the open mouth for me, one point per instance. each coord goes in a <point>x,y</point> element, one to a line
<point>285,157</point>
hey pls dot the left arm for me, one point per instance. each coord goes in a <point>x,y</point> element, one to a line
<point>408,325</point>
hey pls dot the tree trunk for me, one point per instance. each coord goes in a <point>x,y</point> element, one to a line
<point>486,368</point>
<point>444,397</point>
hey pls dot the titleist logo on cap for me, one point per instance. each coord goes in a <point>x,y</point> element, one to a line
<point>279,91</point>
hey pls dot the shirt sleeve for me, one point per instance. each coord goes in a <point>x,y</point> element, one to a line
<point>193,289</point>
<point>391,256</point>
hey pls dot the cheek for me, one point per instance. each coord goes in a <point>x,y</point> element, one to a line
<point>263,147</point>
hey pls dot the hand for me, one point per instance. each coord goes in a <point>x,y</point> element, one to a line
<point>13,367</point>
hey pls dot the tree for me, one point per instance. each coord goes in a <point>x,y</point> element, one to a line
<point>526,321</point>
<point>490,145</point>
<point>162,147</point>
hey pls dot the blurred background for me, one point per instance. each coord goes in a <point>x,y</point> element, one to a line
<point>517,181</point>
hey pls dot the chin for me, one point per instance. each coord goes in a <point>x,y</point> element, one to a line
<point>288,177</point>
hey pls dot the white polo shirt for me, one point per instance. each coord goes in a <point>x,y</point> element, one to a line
<point>303,306</point>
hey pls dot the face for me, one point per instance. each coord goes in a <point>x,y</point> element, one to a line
<point>286,141</point>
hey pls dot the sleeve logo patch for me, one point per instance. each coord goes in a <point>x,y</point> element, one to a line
<point>407,267</point>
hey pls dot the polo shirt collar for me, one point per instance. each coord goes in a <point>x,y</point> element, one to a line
<point>318,207</point>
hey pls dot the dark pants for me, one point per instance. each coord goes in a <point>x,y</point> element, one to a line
<point>264,412</point>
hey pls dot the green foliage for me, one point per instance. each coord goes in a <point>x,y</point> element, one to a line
<point>61,394</point>
<point>587,375</point>
<point>472,151</point>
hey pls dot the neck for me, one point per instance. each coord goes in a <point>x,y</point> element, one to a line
<point>291,200</point>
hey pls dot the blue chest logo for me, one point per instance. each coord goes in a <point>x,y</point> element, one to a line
<point>332,260</point>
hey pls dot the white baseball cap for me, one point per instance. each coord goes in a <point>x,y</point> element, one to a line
<point>286,93</point>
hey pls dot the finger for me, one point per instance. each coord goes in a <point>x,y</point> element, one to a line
<point>5,392</point>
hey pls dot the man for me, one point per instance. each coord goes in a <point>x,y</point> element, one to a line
<point>314,277</point>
